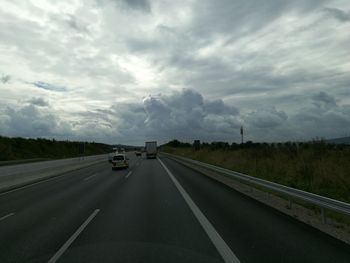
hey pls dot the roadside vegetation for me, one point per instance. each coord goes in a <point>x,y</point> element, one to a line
<point>316,167</point>
<point>21,148</point>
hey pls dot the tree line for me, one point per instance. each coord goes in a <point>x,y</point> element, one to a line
<point>21,148</point>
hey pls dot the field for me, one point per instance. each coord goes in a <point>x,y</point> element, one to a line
<point>315,167</point>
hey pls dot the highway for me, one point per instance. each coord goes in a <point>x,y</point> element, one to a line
<point>155,211</point>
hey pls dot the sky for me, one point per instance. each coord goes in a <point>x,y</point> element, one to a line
<point>127,71</point>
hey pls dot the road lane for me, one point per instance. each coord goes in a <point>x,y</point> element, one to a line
<point>48,213</point>
<point>66,245</point>
<point>256,232</point>
<point>146,220</point>
<point>221,246</point>
<point>143,218</point>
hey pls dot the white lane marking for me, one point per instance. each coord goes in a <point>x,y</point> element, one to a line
<point>4,217</point>
<point>66,245</point>
<point>221,246</point>
<point>89,177</point>
<point>129,173</point>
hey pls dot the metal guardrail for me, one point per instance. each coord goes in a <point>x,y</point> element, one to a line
<point>321,201</point>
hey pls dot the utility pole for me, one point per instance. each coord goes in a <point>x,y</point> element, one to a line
<point>241,134</point>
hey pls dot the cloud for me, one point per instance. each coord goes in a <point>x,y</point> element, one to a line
<point>138,4</point>
<point>338,14</point>
<point>323,98</point>
<point>266,118</point>
<point>209,67</point>
<point>142,5</point>
<point>75,24</point>
<point>185,114</point>
<point>48,86</point>
<point>38,102</point>
<point>29,121</point>
<point>5,78</point>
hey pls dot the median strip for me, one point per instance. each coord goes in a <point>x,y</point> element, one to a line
<point>224,250</point>
<point>32,184</point>
<point>66,245</point>
<point>17,176</point>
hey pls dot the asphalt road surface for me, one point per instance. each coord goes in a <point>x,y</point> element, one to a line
<point>155,211</point>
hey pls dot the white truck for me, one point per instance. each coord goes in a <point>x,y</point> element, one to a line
<point>151,149</point>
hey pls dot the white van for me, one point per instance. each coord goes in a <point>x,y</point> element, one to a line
<point>120,161</point>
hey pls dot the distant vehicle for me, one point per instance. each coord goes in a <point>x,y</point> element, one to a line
<point>151,149</point>
<point>120,161</point>
<point>121,150</point>
<point>138,153</point>
<point>110,156</point>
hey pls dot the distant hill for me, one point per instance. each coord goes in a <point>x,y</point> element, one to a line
<point>343,140</point>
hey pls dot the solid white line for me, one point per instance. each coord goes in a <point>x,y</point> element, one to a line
<point>4,217</point>
<point>88,178</point>
<point>221,246</point>
<point>129,173</point>
<point>66,245</point>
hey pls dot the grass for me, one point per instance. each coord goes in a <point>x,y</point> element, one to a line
<point>314,167</point>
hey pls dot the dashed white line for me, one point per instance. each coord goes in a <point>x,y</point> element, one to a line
<point>221,246</point>
<point>4,217</point>
<point>66,245</point>
<point>129,173</point>
<point>89,177</point>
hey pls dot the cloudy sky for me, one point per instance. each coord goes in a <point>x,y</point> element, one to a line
<point>126,71</point>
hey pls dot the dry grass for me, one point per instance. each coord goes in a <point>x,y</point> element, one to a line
<point>315,168</point>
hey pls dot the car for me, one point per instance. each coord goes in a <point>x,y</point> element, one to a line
<point>120,161</point>
<point>138,153</point>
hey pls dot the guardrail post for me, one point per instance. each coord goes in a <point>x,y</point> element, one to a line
<point>323,215</point>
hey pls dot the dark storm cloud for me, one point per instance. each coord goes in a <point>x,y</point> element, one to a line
<point>266,118</point>
<point>48,86</point>
<point>324,98</point>
<point>338,14</point>
<point>184,114</point>
<point>28,121</point>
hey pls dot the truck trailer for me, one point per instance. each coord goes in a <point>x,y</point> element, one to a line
<point>151,149</point>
